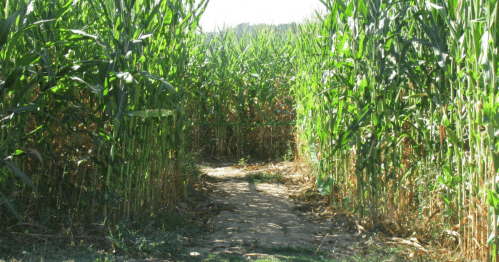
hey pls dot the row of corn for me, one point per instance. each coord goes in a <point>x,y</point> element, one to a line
<point>397,101</point>
<point>394,101</point>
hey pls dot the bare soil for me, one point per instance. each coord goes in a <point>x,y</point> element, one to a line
<point>258,216</point>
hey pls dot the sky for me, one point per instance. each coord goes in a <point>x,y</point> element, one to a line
<point>234,12</point>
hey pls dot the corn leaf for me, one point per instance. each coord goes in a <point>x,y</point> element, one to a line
<point>13,167</point>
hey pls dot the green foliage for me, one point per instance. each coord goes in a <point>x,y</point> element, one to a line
<point>167,243</point>
<point>93,89</point>
<point>291,253</point>
<point>264,177</point>
<point>165,239</point>
<point>243,161</point>
<point>239,92</point>
<point>399,94</point>
<point>396,101</point>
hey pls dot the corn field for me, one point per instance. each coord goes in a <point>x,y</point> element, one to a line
<point>91,97</point>
<point>395,103</point>
<point>240,100</point>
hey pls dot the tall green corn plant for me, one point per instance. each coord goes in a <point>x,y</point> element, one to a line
<point>326,59</point>
<point>428,73</point>
<point>489,62</point>
<point>479,76</point>
<point>243,72</point>
<point>8,139</point>
<point>112,49</point>
<point>471,122</point>
<point>130,91</point>
<point>27,45</point>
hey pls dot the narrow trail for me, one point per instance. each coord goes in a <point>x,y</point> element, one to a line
<point>265,215</point>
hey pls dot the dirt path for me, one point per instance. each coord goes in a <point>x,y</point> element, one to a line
<point>256,215</point>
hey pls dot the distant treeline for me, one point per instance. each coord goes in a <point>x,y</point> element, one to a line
<point>246,28</point>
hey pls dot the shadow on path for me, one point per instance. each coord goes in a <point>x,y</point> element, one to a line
<point>263,215</point>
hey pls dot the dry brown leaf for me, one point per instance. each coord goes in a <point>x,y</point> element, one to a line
<point>34,151</point>
<point>397,240</point>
